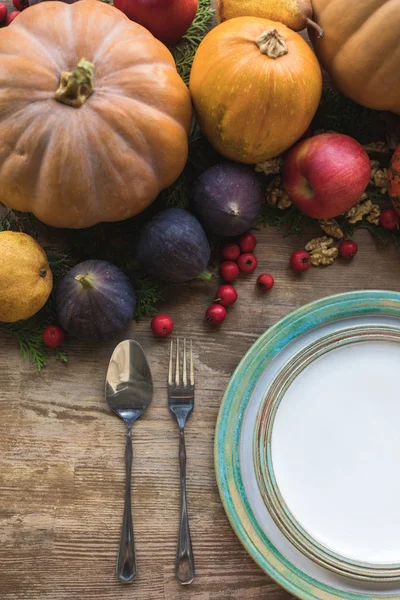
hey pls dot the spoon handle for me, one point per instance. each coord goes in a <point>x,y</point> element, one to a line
<point>126,563</point>
<point>184,566</point>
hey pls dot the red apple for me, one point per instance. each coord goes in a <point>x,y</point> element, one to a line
<point>167,20</point>
<point>326,174</point>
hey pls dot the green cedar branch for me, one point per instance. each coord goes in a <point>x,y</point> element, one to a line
<point>185,50</point>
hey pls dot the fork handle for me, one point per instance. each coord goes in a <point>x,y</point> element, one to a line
<point>126,563</point>
<point>184,566</point>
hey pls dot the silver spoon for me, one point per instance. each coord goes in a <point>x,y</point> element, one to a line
<point>129,391</point>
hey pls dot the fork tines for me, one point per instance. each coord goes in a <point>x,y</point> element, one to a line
<point>185,361</point>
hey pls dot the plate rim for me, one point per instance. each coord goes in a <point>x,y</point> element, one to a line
<point>227,435</point>
<point>262,453</point>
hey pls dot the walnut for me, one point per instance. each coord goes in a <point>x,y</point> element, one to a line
<point>271,166</point>
<point>320,242</point>
<point>378,176</point>
<point>374,215</point>
<point>377,147</point>
<point>363,208</point>
<point>324,257</point>
<point>276,195</point>
<point>284,202</point>
<point>331,227</point>
<point>322,251</point>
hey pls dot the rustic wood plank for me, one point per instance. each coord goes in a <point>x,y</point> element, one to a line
<point>61,451</point>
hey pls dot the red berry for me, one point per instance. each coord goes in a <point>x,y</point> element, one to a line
<point>3,12</point>
<point>389,219</point>
<point>226,295</point>
<point>265,282</point>
<point>53,336</point>
<point>229,270</point>
<point>162,325</point>
<point>300,261</point>
<point>20,4</point>
<point>247,262</point>
<point>230,252</point>
<point>12,16</point>
<point>247,242</point>
<point>348,249</point>
<point>215,314</point>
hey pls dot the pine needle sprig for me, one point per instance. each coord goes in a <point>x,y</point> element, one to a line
<point>29,339</point>
<point>60,261</point>
<point>61,355</point>
<point>148,295</point>
<point>185,50</point>
<point>177,195</point>
<point>289,221</point>
<point>13,220</point>
<point>32,347</point>
<point>340,114</point>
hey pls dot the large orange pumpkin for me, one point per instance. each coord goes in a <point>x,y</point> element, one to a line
<point>85,141</point>
<point>361,49</point>
<point>256,86</point>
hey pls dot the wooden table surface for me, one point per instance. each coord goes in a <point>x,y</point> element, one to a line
<point>62,451</point>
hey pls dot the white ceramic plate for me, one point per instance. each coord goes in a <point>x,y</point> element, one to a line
<point>327,444</point>
<point>330,448</point>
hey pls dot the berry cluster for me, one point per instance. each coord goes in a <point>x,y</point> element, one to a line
<point>5,17</point>
<point>237,257</point>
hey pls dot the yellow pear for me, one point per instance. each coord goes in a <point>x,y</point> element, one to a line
<point>296,14</point>
<point>26,280</point>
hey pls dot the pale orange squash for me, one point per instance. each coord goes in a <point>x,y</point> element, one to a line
<point>256,86</point>
<point>94,142</point>
<point>361,49</point>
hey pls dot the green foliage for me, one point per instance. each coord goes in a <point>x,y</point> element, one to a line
<point>201,156</point>
<point>148,294</point>
<point>186,49</point>
<point>338,113</point>
<point>289,221</point>
<point>17,221</point>
<point>177,195</point>
<point>29,338</point>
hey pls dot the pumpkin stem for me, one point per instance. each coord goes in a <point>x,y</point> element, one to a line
<point>86,281</point>
<point>272,43</point>
<point>314,25</point>
<point>76,86</point>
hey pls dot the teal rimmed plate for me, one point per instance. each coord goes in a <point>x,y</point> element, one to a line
<point>307,448</point>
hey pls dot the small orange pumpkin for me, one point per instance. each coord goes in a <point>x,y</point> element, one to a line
<point>256,86</point>
<point>85,141</point>
<point>394,180</point>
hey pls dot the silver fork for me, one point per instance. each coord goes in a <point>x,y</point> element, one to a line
<point>181,403</point>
